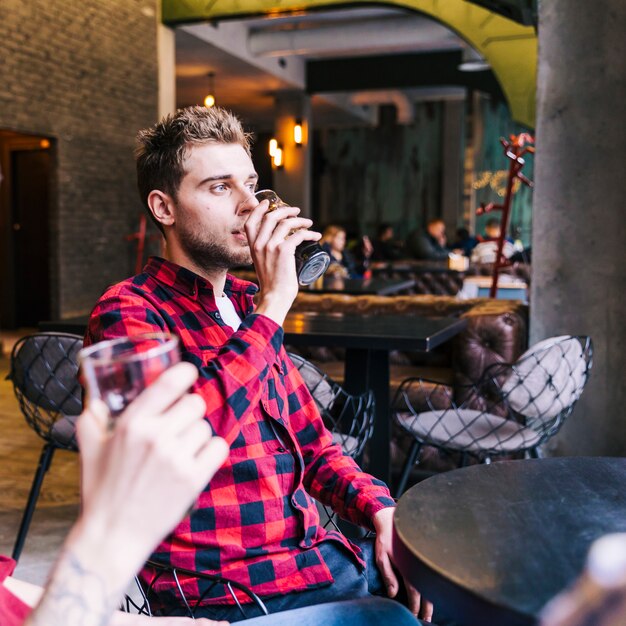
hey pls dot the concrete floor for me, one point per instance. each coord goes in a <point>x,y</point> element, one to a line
<point>57,507</point>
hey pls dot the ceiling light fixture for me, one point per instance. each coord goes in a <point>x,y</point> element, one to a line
<point>209,99</point>
<point>472,61</point>
<point>272,146</point>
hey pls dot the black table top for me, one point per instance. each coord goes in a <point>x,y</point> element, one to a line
<point>412,265</point>
<point>336,329</point>
<point>493,543</point>
<point>74,325</point>
<point>361,286</point>
<point>374,332</point>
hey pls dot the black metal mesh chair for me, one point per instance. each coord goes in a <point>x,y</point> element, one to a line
<point>512,408</point>
<point>44,370</point>
<point>154,602</point>
<point>350,418</point>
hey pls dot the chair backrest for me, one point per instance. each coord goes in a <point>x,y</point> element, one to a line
<point>154,601</point>
<point>349,417</point>
<point>547,380</point>
<point>44,373</point>
<point>511,408</point>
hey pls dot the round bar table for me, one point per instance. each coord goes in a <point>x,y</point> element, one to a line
<point>491,544</point>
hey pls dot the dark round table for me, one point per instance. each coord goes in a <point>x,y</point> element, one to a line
<point>491,544</point>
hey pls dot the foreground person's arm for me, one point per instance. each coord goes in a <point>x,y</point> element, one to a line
<point>30,595</point>
<point>137,483</point>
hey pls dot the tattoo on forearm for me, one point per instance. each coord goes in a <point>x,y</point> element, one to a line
<point>74,596</point>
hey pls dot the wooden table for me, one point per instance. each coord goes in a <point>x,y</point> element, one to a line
<point>509,288</point>
<point>368,341</point>
<point>491,544</point>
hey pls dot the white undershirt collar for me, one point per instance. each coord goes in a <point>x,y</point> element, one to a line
<point>227,311</point>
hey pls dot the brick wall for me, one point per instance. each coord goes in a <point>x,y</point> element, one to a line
<point>85,74</point>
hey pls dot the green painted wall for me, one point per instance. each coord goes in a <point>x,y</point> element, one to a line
<point>491,167</point>
<point>390,173</point>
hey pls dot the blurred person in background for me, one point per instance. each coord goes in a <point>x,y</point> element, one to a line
<point>465,242</point>
<point>345,263</point>
<point>429,244</point>
<point>385,247</point>
<point>487,248</point>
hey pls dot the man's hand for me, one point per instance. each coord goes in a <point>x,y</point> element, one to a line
<point>383,524</point>
<point>273,239</point>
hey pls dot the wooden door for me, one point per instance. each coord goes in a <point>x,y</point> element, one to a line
<point>31,174</point>
<point>26,163</point>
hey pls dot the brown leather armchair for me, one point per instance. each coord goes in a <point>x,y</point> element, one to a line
<point>430,278</point>
<point>496,332</point>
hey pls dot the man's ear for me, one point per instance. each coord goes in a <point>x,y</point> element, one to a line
<point>162,207</point>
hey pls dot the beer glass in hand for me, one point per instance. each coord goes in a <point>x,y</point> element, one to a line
<point>116,371</point>
<point>311,260</point>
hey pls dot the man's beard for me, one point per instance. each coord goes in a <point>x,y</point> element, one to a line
<point>210,255</point>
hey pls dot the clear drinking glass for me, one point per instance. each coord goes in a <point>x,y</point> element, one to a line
<point>311,260</point>
<point>116,371</point>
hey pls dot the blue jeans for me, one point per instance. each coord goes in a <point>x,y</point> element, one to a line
<point>362,612</point>
<point>350,584</point>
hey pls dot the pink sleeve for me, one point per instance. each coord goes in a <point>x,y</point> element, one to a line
<point>13,612</point>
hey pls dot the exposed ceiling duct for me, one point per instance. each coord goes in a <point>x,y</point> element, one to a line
<point>256,58</point>
<point>404,106</point>
<point>396,34</point>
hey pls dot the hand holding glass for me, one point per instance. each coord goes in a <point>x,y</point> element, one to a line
<point>118,370</point>
<point>311,260</point>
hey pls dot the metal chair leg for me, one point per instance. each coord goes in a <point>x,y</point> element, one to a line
<point>44,464</point>
<point>408,466</point>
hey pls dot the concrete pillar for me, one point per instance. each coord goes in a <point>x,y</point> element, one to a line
<point>293,181</point>
<point>452,170</point>
<point>579,216</point>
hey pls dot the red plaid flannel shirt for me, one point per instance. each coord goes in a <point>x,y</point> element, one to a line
<point>256,522</point>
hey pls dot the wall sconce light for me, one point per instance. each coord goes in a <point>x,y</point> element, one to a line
<point>298,133</point>
<point>209,100</point>
<point>277,158</point>
<point>273,145</point>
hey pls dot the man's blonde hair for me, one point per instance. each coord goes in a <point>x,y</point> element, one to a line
<point>161,152</point>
